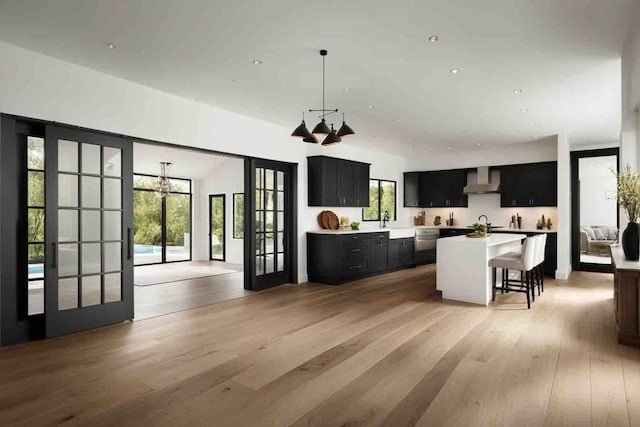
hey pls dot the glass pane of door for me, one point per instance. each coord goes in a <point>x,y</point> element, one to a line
<point>217,227</point>
<point>270,221</point>
<point>147,225</point>
<point>178,227</point>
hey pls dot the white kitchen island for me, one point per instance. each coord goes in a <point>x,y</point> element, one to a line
<point>462,265</point>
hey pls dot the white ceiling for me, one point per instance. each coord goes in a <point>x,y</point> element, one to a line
<point>563,54</point>
<point>187,163</point>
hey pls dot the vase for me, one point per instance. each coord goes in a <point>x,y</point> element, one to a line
<point>631,241</point>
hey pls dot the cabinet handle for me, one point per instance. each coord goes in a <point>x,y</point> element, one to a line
<point>355,267</point>
<point>355,250</point>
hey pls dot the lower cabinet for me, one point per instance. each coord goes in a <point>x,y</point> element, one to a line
<point>338,258</point>
<point>401,253</point>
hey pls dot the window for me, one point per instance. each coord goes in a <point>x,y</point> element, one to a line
<point>162,226</point>
<point>217,227</point>
<point>238,215</point>
<point>382,198</point>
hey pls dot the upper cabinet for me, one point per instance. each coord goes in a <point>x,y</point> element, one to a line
<point>435,189</point>
<point>412,189</point>
<point>337,182</point>
<point>528,185</point>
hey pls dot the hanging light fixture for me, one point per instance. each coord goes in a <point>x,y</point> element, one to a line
<point>322,131</point>
<point>162,187</point>
<point>345,130</point>
<point>332,138</point>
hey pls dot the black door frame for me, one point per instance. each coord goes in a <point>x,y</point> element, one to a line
<point>224,227</point>
<point>576,264</point>
<point>163,219</point>
<point>291,224</point>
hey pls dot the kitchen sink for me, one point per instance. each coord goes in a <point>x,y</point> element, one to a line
<point>401,233</point>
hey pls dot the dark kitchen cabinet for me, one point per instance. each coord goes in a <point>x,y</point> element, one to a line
<point>412,189</point>
<point>401,253</point>
<point>337,182</point>
<point>441,189</point>
<point>379,251</point>
<point>338,258</point>
<point>529,185</point>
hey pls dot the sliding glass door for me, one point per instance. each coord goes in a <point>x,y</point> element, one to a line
<point>162,225</point>
<point>88,230</point>
<point>217,227</point>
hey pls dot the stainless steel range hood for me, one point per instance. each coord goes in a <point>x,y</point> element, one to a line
<point>483,184</point>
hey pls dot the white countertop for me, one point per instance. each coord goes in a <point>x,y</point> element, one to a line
<point>500,230</point>
<point>620,262</point>
<point>394,233</point>
<point>490,240</point>
<point>349,231</point>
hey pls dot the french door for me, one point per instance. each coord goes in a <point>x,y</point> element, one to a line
<point>217,225</point>
<point>272,247</point>
<point>88,230</point>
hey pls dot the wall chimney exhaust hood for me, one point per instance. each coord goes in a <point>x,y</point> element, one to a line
<point>483,184</point>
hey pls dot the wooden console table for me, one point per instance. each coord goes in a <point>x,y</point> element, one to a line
<point>626,297</point>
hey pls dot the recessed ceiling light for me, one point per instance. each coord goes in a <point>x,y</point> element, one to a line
<point>448,148</point>
<point>524,110</point>
<point>434,39</point>
<point>111,45</point>
<point>478,144</point>
<point>517,91</point>
<point>455,71</point>
<point>370,106</point>
<point>533,124</point>
<point>256,62</point>
<point>346,89</point>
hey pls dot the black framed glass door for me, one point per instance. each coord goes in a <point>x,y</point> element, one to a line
<point>217,223</point>
<point>88,230</point>
<point>272,212</point>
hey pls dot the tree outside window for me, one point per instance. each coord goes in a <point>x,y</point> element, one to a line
<point>382,197</point>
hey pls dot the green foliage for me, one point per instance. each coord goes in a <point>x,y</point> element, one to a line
<point>629,193</point>
<point>217,223</point>
<point>147,218</point>
<point>385,191</point>
<point>238,216</point>
<point>35,217</point>
<point>371,213</point>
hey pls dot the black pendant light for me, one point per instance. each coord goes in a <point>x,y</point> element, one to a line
<point>332,138</point>
<point>321,131</point>
<point>301,131</point>
<point>345,130</point>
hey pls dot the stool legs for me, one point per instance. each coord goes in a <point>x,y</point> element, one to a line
<point>493,284</point>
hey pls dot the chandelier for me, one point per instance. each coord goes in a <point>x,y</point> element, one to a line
<point>162,186</point>
<point>321,131</point>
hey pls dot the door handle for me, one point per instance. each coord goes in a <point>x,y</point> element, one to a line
<point>129,243</point>
<point>54,255</point>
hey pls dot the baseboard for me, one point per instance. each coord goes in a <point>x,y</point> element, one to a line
<point>563,275</point>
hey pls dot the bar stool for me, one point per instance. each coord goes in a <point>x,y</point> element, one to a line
<point>541,248</point>
<point>524,262</point>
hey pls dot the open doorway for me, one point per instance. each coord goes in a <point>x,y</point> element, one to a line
<point>594,208</point>
<point>188,251</point>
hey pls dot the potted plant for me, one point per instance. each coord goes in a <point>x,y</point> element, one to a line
<point>628,195</point>
<point>480,229</point>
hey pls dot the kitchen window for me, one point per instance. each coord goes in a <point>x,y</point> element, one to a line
<point>382,197</point>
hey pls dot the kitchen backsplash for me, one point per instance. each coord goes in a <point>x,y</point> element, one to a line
<point>489,204</point>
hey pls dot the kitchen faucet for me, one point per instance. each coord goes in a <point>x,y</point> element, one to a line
<point>486,222</point>
<point>385,218</point>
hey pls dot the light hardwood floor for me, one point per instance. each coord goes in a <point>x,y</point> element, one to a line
<point>384,351</point>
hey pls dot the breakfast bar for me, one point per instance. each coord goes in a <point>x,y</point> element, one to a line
<point>463,272</point>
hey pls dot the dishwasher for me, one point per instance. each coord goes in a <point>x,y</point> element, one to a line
<point>426,245</point>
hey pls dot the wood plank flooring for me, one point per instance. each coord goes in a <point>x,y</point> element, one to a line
<point>385,351</point>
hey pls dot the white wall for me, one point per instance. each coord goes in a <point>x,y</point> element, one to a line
<point>487,155</point>
<point>41,87</point>
<point>228,178</point>
<point>564,208</point>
